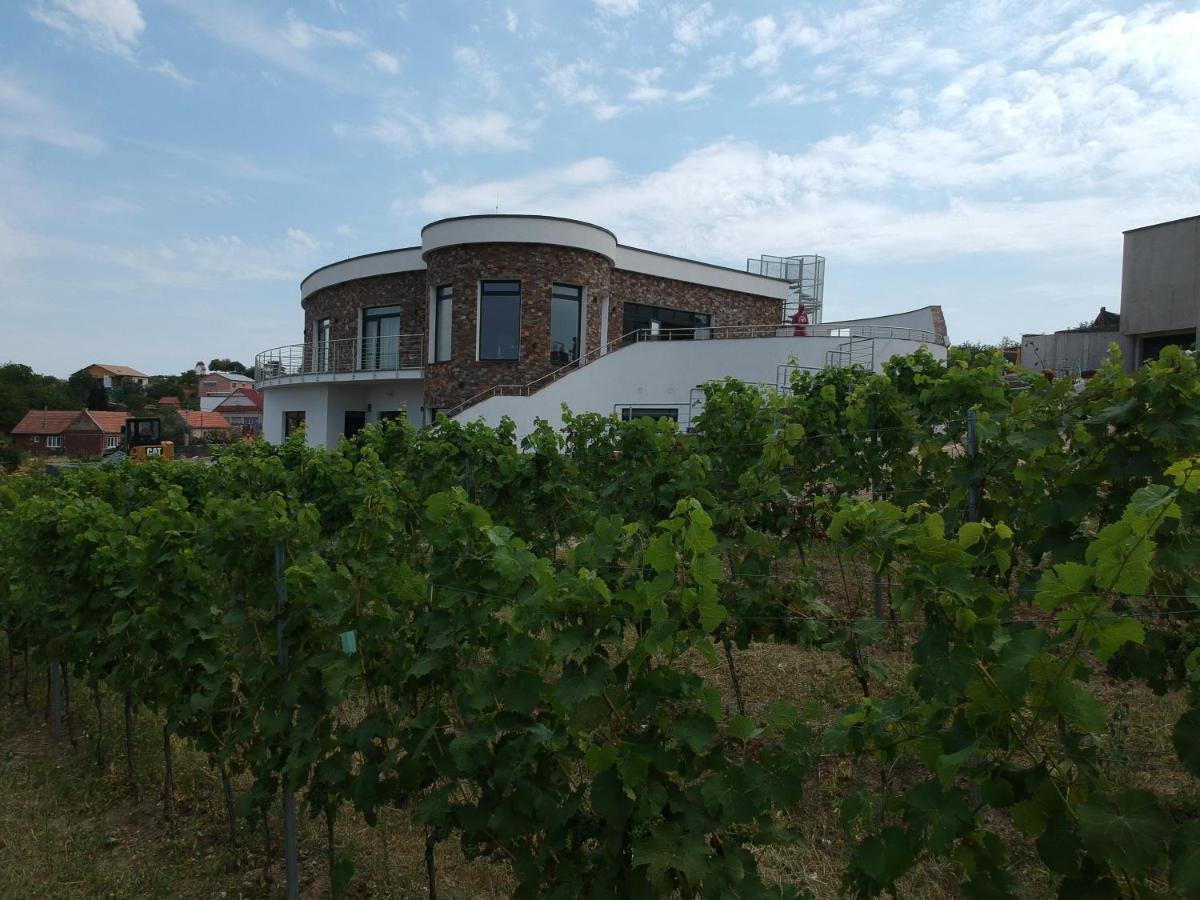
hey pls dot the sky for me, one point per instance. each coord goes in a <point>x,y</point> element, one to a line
<point>171,169</point>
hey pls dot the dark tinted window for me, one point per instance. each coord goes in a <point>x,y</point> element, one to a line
<point>566,303</point>
<point>500,320</point>
<point>664,323</point>
<point>649,412</point>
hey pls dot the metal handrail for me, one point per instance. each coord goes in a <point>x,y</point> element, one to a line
<point>707,332</point>
<point>388,353</point>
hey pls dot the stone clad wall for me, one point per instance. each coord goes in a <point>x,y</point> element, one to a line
<point>342,302</point>
<point>725,306</point>
<point>538,267</point>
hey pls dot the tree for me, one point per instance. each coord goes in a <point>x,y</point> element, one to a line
<point>22,389</point>
<point>227,365</point>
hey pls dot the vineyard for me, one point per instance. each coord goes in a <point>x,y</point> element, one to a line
<point>597,662</point>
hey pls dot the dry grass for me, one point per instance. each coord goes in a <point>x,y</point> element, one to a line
<point>68,829</point>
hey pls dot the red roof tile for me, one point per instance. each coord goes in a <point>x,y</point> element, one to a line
<point>46,421</point>
<point>197,419</point>
<point>109,422</point>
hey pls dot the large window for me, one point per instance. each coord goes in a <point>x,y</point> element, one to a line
<point>500,320</point>
<point>381,338</point>
<point>322,329</point>
<point>54,441</point>
<point>111,442</point>
<point>443,321</point>
<point>292,421</point>
<point>566,302</point>
<point>663,323</point>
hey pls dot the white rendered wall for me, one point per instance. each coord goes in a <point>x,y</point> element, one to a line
<point>664,374</point>
<point>325,406</point>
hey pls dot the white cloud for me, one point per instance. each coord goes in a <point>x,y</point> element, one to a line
<point>617,7</point>
<point>485,131</point>
<point>1099,130</point>
<point>344,231</point>
<point>512,21</point>
<point>302,239</point>
<point>113,26</point>
<point>478,68</point>
<point>25,116</point>
<point>646,89</point>
<point>574,83</point>
<point>694,26</point>
<point>166,67</point>
<point>385,62</point>
<point>533,193</point>
<point>293,44</point>
<point>302,35</point>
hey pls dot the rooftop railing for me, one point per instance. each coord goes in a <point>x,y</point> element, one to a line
<point>389,353</point>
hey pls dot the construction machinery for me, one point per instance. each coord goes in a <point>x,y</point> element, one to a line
<point>142,439</point>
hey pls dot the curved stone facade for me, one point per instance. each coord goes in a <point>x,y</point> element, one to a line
<point>537,267</point>
<point>342,303</point>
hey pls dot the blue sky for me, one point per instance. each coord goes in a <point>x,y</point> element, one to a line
<point>171,169</point>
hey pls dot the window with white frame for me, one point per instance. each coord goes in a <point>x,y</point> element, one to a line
<point>54,441</point>
<point>112,441</point>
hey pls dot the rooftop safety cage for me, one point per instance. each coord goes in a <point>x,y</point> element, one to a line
<point>805,275</point>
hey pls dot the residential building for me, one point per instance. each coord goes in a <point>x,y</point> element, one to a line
<point>69,432</point>
<point>243,409</point>
<point>222,384</point>
<point>204,426</point>
<point>116,379</point>
<point>169,401</point>
<point>1160,287</point>
<point>116,376</point>
<point>514,315</point>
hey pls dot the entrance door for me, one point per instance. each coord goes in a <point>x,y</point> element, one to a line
<point>355,420</point>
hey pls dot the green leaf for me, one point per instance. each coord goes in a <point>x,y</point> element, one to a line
<point>1121,556</point>
<point>661,554</point>
<point>343,871</point>
<point>1059,584</point>
<point>1113,637</point>
<point>1185,860</point>
<point>665,850</point>
<point>1186,738</point>
<point>1127,829</point>
<point>600,758</point>
<point>969,534</point>
<point>695,732</point>
<point>742,728</point>
<point>1078,706</point>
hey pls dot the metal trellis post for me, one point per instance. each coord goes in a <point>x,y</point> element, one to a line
<point>291,849</point>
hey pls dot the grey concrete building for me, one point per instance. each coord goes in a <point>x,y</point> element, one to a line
<point>1160,288</point>
<point>1074,351</point>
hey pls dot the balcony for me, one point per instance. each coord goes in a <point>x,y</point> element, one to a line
<point>347,359</point>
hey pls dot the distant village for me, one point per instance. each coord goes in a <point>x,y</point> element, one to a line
<point>215,407</point>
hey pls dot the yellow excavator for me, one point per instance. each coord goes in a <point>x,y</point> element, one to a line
<point>141,438</point>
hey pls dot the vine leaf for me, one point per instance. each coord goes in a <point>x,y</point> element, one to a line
<point>1186,737</point>
<point>1128,829</point>
<point>1185,859</point>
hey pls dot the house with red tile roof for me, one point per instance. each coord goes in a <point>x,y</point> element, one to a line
<point>69,432</point>
<point>243,409</point>
<point>204,426</point>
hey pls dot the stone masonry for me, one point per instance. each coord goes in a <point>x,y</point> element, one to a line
<point>538,267</point>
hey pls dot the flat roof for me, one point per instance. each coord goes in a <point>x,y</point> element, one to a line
<point>1161,224</point>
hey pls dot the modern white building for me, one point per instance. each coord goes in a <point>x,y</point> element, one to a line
<point>511,315</point>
